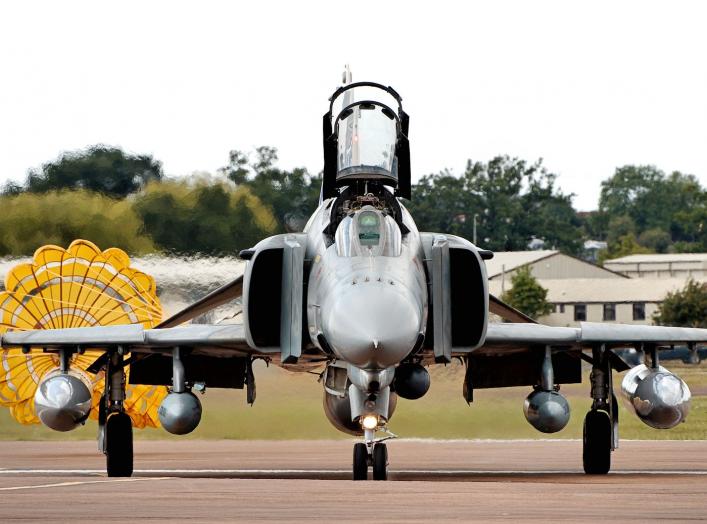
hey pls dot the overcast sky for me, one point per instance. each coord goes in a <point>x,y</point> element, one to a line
<point>586,86</point>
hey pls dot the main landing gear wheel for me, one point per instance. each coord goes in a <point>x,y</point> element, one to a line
<point>360,462</point>
<point>380,462</point>
<point>119,445</point>
<point>596,455</point>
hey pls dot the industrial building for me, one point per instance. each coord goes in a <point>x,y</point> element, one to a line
<point>545,264</point>
<point>655,265</point>
<point>627,290</point>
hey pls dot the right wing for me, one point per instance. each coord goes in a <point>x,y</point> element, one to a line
<point>223,340</point>
<point>217,355</point>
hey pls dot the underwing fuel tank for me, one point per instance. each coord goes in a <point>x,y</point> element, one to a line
<point>660,398</point>
<point>63,400</point>
<point>180,413</point>
<point>546,411</point>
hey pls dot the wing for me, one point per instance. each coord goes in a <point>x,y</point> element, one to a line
<point>509,336</point>
<point>216,355</point>
<point>216,298</point>
<point>506,312</point>
<point>222,340</point>
<point>513,352</point>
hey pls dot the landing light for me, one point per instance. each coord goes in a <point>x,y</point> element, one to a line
<point>369,422</point>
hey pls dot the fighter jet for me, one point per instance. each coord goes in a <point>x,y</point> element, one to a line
<point>370,301</point>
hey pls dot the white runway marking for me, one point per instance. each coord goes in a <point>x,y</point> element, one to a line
<point>78,483</point>
<point>236,472</point>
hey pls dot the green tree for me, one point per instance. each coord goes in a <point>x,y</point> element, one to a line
<point>527,295</point>
<point>99,168</point>
<point>29,221</point>
<point>513,200</point>
<point>292,195</point>
<point>442,203</point>
<point>626,245</point>
<point>655,239</point>
<point>685,307</point>
<point>208,217</point>
<point>664,209</point>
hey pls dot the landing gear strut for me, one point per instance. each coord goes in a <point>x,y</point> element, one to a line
<point>601,425</point>
<point>370,453</point>
<point>115,433</point>
<point>371,405</point>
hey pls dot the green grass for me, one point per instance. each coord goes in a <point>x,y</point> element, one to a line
<point>289,406</point>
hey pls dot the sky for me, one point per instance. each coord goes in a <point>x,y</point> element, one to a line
<point>586,86</point>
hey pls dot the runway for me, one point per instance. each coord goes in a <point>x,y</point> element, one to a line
<point>430,481</point>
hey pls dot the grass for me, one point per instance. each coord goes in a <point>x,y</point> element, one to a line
<point>289,406</point>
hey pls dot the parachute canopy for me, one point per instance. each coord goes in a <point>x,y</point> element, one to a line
<point>75,287</point>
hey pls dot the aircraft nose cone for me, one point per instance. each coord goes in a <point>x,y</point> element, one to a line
<point>373,326</point>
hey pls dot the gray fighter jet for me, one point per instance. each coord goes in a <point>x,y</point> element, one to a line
<point>364,297</point>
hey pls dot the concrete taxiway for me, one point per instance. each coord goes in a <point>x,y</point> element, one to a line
<point>430,481</point>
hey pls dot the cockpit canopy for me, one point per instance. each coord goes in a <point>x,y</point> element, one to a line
<point>365,139</point>
<point>368,232</point>
<point>367,134</point>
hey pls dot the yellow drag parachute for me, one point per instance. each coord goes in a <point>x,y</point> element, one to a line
<point>75,287</point>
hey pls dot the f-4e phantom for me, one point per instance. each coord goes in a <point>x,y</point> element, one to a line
<point>364,297</point>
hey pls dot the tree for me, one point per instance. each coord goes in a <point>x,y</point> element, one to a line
<point>664,210</point>
<point>210,217</point>
<point>527,295</point>
<point>29,221</point>
<point>656,240</point>
<point>513,200</point>
<point>103,169</point>
<point>626,245</point>
<point>685,307</point>
<point>291,194</point>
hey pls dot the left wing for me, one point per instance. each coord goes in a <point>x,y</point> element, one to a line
<point>513,353</point>
<point>518,336</point>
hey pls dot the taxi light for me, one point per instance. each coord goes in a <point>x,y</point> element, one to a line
<point>369,422</point>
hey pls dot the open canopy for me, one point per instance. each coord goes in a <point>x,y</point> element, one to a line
<point>365,138</point>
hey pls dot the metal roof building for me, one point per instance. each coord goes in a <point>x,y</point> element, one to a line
<point>670,265</point>
<point>545,264</point>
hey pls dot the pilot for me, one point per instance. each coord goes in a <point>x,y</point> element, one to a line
<point>368,232</point>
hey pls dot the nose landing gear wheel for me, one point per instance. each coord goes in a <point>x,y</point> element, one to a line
<point>380,462</point>
<point>119,445</point>
<point>360,462</point>
<point>596,456</point>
